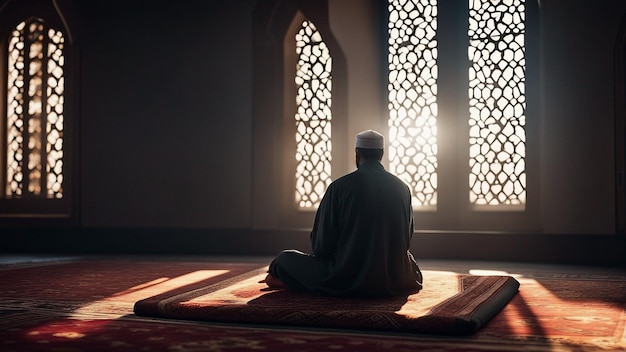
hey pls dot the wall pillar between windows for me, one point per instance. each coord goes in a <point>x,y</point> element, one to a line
<point>366,70</point>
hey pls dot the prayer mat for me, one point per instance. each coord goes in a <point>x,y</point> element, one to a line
<point>449,304</point>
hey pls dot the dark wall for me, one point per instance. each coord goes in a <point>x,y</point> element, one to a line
<point>577,53</point>
<point>165,113</point>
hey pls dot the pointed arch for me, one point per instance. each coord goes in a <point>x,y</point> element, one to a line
<point>12,12</point>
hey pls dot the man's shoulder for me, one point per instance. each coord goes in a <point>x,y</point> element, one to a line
<point>344,179</point>
<point>356,175</point>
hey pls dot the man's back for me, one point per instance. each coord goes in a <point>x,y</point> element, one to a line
<point>364,227</point>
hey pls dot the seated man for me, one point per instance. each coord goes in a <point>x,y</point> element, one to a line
<point>361,235</point>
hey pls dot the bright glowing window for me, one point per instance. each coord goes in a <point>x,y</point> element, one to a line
<point>313,116</point>
<point>413,97</point>
<point>35,97</point>
<point>497,103</point>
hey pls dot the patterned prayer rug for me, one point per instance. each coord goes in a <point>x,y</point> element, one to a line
<point>449,305</point>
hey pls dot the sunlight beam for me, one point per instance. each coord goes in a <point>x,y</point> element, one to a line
<point>121,303</point>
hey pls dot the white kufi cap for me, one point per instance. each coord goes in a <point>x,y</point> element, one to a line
<point>370,140</point>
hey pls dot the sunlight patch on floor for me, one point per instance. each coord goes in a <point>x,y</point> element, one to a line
<point>121,304</point>
<point>95,315</point>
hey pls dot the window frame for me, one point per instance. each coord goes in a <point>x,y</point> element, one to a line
<point>39,211</point>
<point>454,212</point>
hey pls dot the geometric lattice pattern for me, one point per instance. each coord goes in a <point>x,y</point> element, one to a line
<point>313,117</point>
<point>497,102</point>
<point>35,87</point>
<point>413,97</point>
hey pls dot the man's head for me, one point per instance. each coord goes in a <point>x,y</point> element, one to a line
<point>369,145</point>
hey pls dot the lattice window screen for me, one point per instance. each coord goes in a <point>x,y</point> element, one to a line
<point>313,117</point>
<point>35,88</point>
<point>497,102</point>
<point>413,97</point>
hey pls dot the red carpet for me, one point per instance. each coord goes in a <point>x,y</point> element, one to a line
<point>448,305</point>
<point>87,305</point>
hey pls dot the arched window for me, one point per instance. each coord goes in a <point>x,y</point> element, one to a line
<point>313,117</point>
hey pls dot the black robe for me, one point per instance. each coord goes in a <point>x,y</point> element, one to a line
<point>360,240</point>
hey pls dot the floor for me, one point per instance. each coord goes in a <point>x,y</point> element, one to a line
<point>486,340</point>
